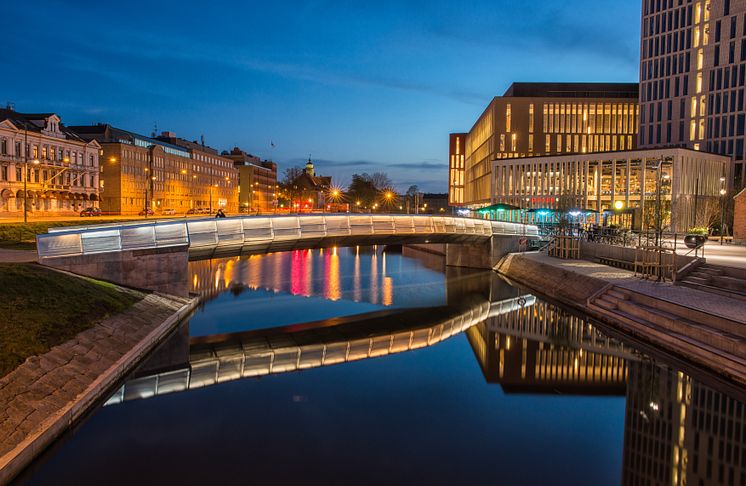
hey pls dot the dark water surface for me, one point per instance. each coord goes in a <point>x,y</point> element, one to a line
<point>522,392</point>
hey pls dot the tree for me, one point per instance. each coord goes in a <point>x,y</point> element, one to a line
<point>362,189</point>
<point>292,174</point>
<point>380,181</point>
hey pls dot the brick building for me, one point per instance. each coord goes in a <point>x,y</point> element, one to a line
<point>257,181</point>
<point>739,218</point>
<point>161,173</point>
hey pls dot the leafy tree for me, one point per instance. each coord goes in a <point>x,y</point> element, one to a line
<point>362,189</point>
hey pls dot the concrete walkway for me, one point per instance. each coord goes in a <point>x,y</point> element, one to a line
<point>727,307</point>
<point>41,398</point>
<point>18,256</point>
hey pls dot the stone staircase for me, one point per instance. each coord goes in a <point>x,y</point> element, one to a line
<point>699,335</point>
<point>717,279</point>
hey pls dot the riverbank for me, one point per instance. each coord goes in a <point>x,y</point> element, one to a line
<point>42,308</point>
<point>704,328</point>
<point>45,395</point>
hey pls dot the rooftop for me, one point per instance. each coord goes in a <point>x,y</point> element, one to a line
<point>573,90</point>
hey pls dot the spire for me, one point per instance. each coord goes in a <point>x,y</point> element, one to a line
<point>309,166</point>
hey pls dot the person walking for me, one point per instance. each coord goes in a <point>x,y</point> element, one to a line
<point>220,214</point>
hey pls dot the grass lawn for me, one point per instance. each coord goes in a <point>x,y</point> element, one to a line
<point>41,308</point>
<point>14,233</point>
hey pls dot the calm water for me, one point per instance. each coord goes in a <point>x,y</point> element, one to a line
<point>522,392</point>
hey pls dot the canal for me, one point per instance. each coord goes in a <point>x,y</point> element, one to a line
<point>377,365</point>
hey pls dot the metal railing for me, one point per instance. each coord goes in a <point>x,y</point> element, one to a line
<point>263,231</point>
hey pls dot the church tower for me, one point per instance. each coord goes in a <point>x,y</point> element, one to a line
<point>309,167</point>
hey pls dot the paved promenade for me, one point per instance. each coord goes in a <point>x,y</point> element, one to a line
<point>18,256</point>
<point>695,299</point>
<point>47,393</point>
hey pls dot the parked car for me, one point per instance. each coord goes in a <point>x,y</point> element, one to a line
<point>90,212</point>
<point>169,212</point>
<point>142,213</point>
<point>192,211</point>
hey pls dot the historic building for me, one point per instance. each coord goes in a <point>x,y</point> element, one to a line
<point>164,174</point>
<point>692,72</point>
<point>533,119</point>
<point>615,182</point>
<point>257,182</point>
<point>61,169</point>
<point>309,191</point>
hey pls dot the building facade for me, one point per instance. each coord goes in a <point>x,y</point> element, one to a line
<point>689,181</point>
<point>692,76</point>
<point>739,218</point>
<point>61,169</point>
<point>257,182</point>
<point>164,174</point>
<point>533,119</point>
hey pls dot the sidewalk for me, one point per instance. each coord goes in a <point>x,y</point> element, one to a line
<point>695,299</point>
<point>18,256</point>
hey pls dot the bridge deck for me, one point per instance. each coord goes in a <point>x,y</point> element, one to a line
<point>272,233</point>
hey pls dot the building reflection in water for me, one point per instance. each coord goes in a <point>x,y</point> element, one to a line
<point>680,431</point>
<point>359,275</point>
<point>544,349</point>
<point>677,430</point>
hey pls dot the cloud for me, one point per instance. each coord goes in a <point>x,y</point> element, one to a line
<point>419,165</point>
<point>334,163</point>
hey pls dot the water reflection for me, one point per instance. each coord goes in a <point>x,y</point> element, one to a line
<point>544,349</point>
<point>680,431</point>
<point>604,410</point>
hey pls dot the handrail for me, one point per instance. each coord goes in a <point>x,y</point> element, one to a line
<point>240,231</point>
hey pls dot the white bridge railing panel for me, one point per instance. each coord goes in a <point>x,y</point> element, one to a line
<point>286,228</point>
<point>261,232</point>
<point>202,233</point>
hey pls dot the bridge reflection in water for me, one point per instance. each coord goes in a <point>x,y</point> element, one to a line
<point>219,358</point>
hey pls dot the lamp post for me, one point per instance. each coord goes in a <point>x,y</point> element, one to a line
<point>723,192</point>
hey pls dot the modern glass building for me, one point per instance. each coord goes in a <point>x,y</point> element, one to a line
<point>533,119</point>
<point>609,183</point>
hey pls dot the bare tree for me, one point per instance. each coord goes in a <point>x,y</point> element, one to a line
<point>381,180</point>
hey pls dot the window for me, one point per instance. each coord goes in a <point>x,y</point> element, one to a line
<point>4,146</point>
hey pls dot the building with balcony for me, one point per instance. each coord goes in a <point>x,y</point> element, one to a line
<point>61,169</point>
<point>161,173</point>
<point>534,119</point>
<point>257,182</point>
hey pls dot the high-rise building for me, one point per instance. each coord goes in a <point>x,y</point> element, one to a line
<point>533,119</point>
<point>692,76</point>
<point>257,181</point>
<point>61,169</point>
<point>165,174</point>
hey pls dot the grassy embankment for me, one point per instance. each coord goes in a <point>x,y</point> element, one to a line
<point>19,236</point>
<point>42,308</point>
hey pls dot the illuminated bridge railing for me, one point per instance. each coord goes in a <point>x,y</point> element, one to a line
<point>234,360</point>
<point>270,232</point>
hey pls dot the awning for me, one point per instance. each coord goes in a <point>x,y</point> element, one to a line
<point>498,207</point>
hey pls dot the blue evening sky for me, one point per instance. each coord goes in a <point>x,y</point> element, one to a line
<point>361,86</point>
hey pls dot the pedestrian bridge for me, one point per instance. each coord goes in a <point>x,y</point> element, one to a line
<point>226,357</point>
<point>205,238</point>
<point>154,255</point>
